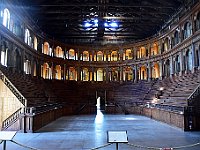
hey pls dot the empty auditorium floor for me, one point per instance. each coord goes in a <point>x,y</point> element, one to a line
<point>85,132</point>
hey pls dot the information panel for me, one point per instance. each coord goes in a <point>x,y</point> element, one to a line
<point>117,137</point>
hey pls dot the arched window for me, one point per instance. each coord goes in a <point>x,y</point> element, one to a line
<point>35,43</point>
<point>71,54</point>
<point>176,37</point>
<point>27,37</point>
<point>128,54</point>
<point>167,68</point>
<point>4,53</point>
<point>188,60</point>
<point>143,73</point>
<point>45,70</point>
<point>155,71</point>
<point>85,56</point>
<point>141,53</point>
<point>187,30</point>
<point>6,18</point>
<point>99,56</point>
<point>46,48</point>
<point>85,74</point>
<point>114,56</point>
<point>177,64</point>
<point>154,49</point>
<point>58,72</point>
<point>166,44</point>
<point>197,23</point>
<point>27,66</point>
<point>58,52</point>
<point>128,74</point>
<point>71,74</point>
<point>114,74</point>
<point>99,74</point>
<point>34,69</point>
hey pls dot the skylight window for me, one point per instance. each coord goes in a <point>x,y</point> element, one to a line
<point>87,24</point>
<point>95,23</point>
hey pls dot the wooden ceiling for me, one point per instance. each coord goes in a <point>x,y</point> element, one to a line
<point>64,20</point>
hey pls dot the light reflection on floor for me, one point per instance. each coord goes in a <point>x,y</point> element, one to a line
<point>131,118</point>
<point>99,123</point>
<point>99,117</point>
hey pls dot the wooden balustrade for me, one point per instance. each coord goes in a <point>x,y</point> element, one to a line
<point>11,119</point>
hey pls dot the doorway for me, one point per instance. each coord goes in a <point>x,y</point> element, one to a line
<point>101,99</point>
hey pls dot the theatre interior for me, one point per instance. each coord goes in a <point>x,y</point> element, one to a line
<point>77,57</point>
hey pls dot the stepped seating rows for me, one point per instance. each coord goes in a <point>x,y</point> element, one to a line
<point>178,88</point>
<point>41,91</point>
<point>34,92</point>
<point>141,92</point>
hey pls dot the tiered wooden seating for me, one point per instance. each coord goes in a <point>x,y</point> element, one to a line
<point>34,92</point>
<point>141,92</point>
<point>178,88</point>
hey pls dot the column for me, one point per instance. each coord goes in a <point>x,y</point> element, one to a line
<point>136,74</point>
<point>39,72</point>
<point>181,63</point>
<point>135,54</point>
<point>193,57</point>
<point>107,74</point>
<point>181,34</point>
<point>78,73</point>
<point>120,74</point>
<point>171,66</point>
<point>199,56</point>
<point>149,72</point>
<point>149,50</point>
<point>92,74</point>
<point>160,47</point>
<point>64,72</point>
<point>53,72</point>
<point>133,74</point>
<point>161,69</point>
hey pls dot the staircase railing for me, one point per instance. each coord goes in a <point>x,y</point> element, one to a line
<point>14,90</point>
<point>193,96</point>
<point>11,119</point>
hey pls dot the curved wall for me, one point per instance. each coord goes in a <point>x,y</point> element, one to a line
<point>174,51</point>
